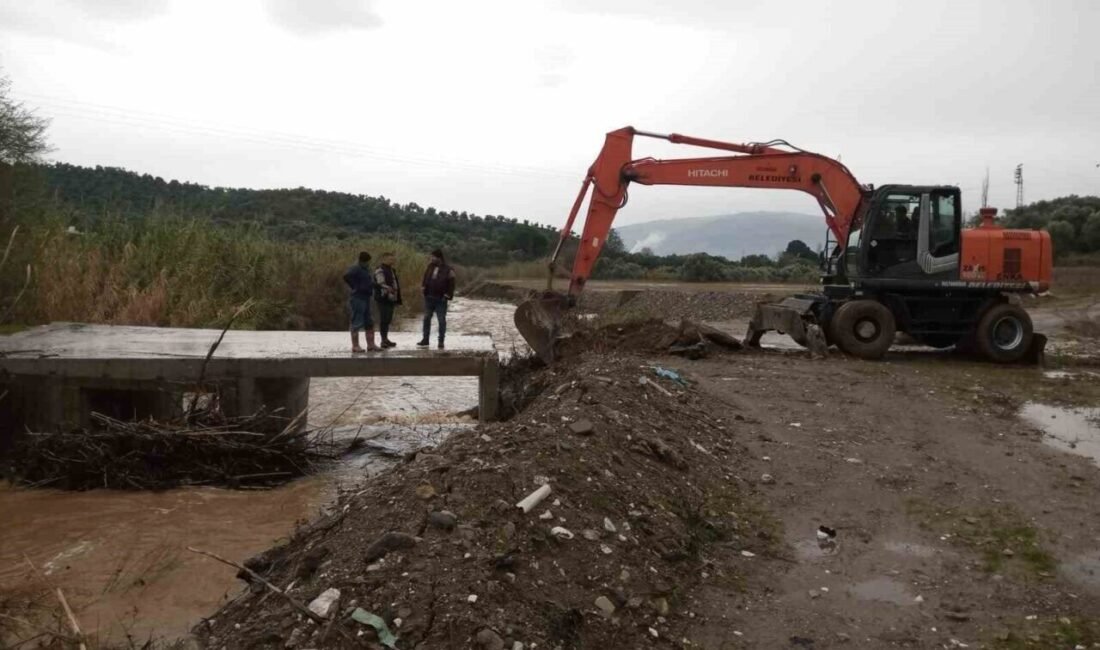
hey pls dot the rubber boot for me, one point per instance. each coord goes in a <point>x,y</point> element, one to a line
<point>371,346</point>
<point>355,349</point>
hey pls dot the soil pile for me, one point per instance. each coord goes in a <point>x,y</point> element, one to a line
<point>665,304</point>
<point>646,336</point>
<point>641,499</point>
<point>650,303</point>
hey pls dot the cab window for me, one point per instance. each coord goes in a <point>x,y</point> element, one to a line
<point>944,229</point>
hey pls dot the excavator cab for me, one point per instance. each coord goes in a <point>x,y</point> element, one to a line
<point>908,233</point>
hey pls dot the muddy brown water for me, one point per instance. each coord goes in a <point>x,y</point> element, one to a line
<point>121,557</point>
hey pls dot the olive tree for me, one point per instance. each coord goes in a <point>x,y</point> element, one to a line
<point>22,133</point>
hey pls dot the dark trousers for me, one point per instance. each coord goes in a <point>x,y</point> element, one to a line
<point>437,306</point>
<point>385,317</point>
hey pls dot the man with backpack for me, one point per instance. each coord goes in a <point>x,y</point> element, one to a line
<point>387,295</point>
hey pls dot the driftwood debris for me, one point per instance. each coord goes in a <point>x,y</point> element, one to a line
<point>149,455</point>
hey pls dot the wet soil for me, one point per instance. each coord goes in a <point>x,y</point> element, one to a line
<point>957,520</point>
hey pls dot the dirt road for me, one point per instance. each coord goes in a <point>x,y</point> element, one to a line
<point>954,522</point>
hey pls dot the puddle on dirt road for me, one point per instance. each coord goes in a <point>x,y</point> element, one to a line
<point>809,550</point>
<point>1084,570</point>
<point>1076,430</point>
<point>910,549</point>
<point>883,590</point>
<point>121,557</point>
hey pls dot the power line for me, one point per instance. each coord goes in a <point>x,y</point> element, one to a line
<point>126,117</point>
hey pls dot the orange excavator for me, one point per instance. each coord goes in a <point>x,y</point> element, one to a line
<point>898,257</point>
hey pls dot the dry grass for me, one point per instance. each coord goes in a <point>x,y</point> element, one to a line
<point>171,271</point>
<point>1076,280</point>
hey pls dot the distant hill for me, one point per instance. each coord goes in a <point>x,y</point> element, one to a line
<point>298,214</point>
<point>729,235</point>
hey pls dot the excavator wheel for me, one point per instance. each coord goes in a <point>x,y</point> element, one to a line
<point>1004,333</point>
<point>863,328</point>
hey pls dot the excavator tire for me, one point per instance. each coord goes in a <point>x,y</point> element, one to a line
<point>1004,333</point>
<point>863,328</point>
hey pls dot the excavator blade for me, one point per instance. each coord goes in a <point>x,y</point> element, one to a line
<point>538,320</point>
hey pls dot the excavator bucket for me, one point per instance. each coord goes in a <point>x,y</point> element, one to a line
<point>538,320</point>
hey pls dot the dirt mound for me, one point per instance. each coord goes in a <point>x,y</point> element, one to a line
<point>695,305</point>
<point>639,473</point>
<point>645,336</point>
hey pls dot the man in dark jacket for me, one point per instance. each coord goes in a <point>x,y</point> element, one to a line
<point>358,279</point>
<point>387,295</point>
<point>439,288</point>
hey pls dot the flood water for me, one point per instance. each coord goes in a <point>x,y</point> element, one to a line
<point>121,557</point>
<point>1076,430</point>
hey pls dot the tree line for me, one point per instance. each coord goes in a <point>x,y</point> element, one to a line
<point>1072,221</point>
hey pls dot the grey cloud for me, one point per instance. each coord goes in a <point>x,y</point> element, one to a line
<point>550,80</point>
<point>122,10</point>
<point>42,20</point>
<point>308,18</point>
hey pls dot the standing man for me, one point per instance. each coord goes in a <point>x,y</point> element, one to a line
<point>358,279</point>
<point>387,293</point>
<point>439,287</point>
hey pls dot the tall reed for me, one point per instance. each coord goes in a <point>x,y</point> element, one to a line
<point>171,270</point>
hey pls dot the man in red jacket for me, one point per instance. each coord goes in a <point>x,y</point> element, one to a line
<point>439,288</point>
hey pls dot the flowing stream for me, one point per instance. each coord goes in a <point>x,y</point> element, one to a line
<point>121,557</point>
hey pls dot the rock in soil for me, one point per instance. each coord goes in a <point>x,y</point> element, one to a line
<point>443,519</point>
<point>490,640</point>
<point>582,427</point>
<point>604,604</point>
<point>390,541</point>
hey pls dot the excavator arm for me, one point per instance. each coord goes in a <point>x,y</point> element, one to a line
<point>773,165</point>
<point>758,165</point>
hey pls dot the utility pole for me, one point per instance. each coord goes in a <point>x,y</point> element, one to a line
<point>985,189</point>
<point>1019,186</point>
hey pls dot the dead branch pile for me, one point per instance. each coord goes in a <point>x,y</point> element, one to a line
<point>148,455</point>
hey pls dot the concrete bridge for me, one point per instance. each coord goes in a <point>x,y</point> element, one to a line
<point>56,375</point>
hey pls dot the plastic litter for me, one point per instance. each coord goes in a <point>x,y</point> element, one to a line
<point>665,373</point>
<point>385,637</point>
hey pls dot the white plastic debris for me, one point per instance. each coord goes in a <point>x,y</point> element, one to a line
<point>322,604</point>
<point>531,500</point>
<point>561,533</point>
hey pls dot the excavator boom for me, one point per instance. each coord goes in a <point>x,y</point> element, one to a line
<point>773,165</point>
<point>758,165</point>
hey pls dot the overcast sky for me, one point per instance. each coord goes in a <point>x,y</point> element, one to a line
<point>499,106</point>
